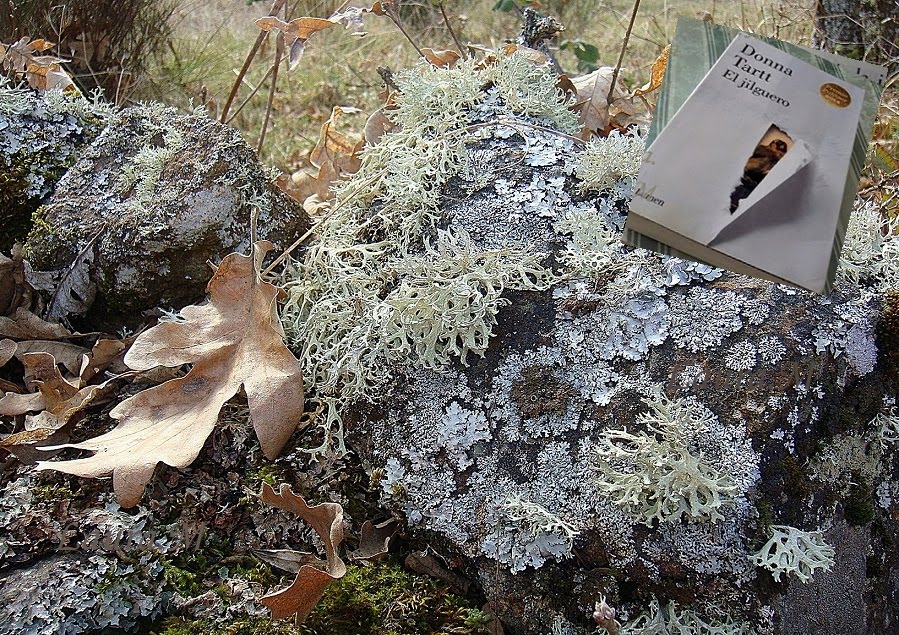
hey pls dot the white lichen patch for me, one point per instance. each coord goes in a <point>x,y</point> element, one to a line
<point>742,356</point>
<point>527,534</point>
<point>664,473</point>
<point>674,620</point>
<point>793,551</point>
<point>608,161</point>
<point>701,319</point>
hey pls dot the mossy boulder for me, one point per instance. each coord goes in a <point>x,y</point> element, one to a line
<point>41,135</point>
<point>144,208</point>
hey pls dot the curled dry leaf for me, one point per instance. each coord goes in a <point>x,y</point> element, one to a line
<point>233,340</point>
<point>42,72</point>
<point>69,355</point>
<point>597,114</point>
<point>313,574</point>
<point>25,325</point>
<point>657,74</point>
<point>57,400</point>
<point>374,540</point>
<point>298,31</point>
<point>334,156</point>
<point>441,58</point>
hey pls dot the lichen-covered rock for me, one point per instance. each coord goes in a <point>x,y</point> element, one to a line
<point>659,432</point>
<point>41,135</point>
<point>154,198</point>
<point>659,424</point>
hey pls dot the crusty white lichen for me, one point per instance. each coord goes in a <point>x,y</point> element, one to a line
<point>791,550</point>
<point>527,534</point>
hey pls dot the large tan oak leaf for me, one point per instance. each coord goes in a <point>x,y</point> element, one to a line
<point>233,340</point>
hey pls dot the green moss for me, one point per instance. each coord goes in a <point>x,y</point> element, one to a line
<point>268,473</point>
<point>858,505</point>
<point>186,581</point>
<point>250,626</point>
<point>53,493</point>
<point>383,598</point>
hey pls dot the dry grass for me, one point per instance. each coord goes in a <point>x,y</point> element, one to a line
<point>212,38</point>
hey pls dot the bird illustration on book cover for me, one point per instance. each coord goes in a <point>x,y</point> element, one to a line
<point>770,149</point>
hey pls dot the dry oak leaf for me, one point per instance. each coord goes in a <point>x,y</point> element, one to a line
<point>233,340</point>
<point>57,401</point>
<point>597,113</point>
<point>657,74</point>
<point>314,574</point>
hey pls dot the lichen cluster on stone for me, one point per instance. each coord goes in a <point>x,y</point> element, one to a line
<point>40,137</point>
<point>385,283</point>
<point>792,551</point>
<point>661,474</point>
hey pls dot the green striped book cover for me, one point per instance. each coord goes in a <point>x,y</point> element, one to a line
<point>765,73</point>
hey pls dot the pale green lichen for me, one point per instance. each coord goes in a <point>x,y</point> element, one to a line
<point>532,90</point>
<point>870,249</point>
<point>383,286</point>
<point>656,474</point>
<point>791,550</point>
<point>13,101</point>
<point>674,620</point>
<point>142,172</point>
<point>607,161</point>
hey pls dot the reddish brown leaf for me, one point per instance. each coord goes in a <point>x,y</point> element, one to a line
<point>327,521</point>
<point>657,74</point>
<point>234,340</point>
<point>441,58</point>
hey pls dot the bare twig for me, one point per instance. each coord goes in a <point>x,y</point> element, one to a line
<point>627,36</point>
<point>279,51</point>
<point>276,6</point>
<point>390,12</point>
<point>452,32</point>
<point>255,89</point>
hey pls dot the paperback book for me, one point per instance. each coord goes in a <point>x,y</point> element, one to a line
<point>757,168</point>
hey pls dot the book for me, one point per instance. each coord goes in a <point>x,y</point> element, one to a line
<point>754,155</point>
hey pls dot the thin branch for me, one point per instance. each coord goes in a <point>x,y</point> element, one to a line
<point>250,96</point>
<point>452,32</point>
<point>627,37</point>
<point>276,6</point>
<point>279,51</point>
<point>395,18</point>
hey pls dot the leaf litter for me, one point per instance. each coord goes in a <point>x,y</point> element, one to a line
<point>234,340</point>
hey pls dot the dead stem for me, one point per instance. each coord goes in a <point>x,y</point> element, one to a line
<point>452,32</point>
<point>627,37</point>
<point>276,6</point>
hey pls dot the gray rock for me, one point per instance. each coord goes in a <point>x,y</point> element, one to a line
<point>133,223</point>
<point>41,134</point>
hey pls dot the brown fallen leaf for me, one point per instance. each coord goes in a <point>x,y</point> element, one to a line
<point>106,354</point>
<point>597,113</point>
<point>374,540</point>
<point>334,156</point>
<point>312,577</point>
<point>657,74</point>
<point>15,292</point>
<point>7,351</point>
<point>377,125</point>
<point>57,401</point>
<point>532,55</point>
<point>233,340</point>
<point>25,325</point>
<point>426,563</point>
<point>441,58</point>
<point>69,355</point>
